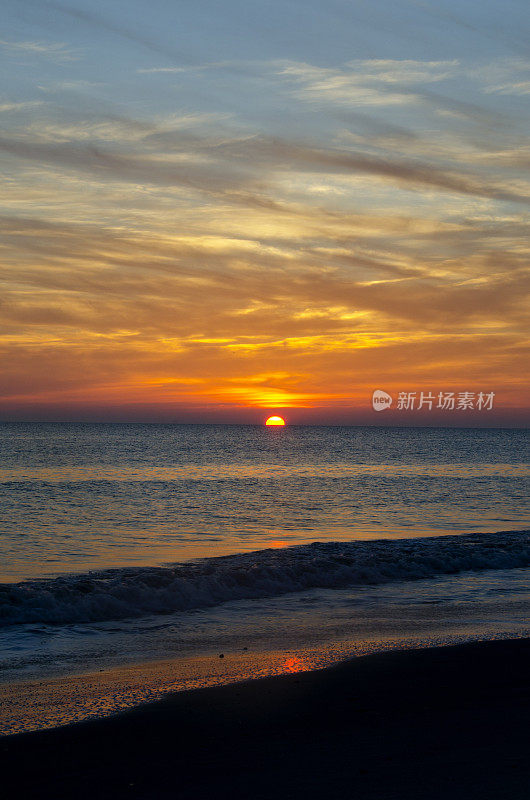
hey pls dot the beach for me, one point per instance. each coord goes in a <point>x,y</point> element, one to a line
<point>444,722</point>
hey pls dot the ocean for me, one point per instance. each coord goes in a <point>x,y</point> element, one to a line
<point>128,544</point>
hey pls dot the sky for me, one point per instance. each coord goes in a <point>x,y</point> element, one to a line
<point>212,212</point>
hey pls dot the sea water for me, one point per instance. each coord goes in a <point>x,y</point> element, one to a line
<point>76,498</point>
<point>122,544</point>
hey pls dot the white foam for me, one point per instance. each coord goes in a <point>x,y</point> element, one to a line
<point>135,592</point>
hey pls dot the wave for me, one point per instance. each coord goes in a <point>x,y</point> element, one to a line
<point>139,591</point>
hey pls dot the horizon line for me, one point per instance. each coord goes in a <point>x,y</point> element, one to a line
<point>259,424</point>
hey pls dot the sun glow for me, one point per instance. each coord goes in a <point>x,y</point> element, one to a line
<point>294,664</point>
<point>275,421</point>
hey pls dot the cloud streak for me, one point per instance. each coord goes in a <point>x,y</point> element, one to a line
<point>220,168</point>
<point>57,51</point>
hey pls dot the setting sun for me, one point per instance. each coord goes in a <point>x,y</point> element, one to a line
<point>275,421</point>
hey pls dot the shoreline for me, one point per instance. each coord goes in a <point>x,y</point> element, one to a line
<point>47,702</point>
<point>449,721</point>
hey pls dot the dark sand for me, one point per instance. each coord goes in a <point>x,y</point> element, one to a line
<point>448,722</point>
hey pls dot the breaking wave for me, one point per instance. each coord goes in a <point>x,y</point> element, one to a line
<point>139,591</point>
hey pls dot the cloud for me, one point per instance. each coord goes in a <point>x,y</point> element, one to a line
<point>57,51</point>
<point>404,70</point>
<point>95,316</point>
<point>102,281</point>
<point>122,166</point>
<point>115,129</point>
<point>408,172</point>
<point>238,169</point>
<point>154,70</point>
<point>343,86</point>
<point>20,106</point>
<point>386,83</point>
<point>377,82</point>
<point>515,88</point>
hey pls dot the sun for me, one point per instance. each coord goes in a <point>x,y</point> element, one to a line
<point>275,421</point>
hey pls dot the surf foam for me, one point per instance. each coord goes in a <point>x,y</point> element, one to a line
<point>139,591</point>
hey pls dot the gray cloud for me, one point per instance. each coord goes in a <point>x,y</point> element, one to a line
<point>233,165</point>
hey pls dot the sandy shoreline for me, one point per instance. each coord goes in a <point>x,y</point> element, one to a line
<point>49,701</point>
<point>434,723</point>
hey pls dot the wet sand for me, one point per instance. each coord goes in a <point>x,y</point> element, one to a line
<point>448,722</point>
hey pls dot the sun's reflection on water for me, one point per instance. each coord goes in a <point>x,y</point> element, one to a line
<point>294,664</point>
